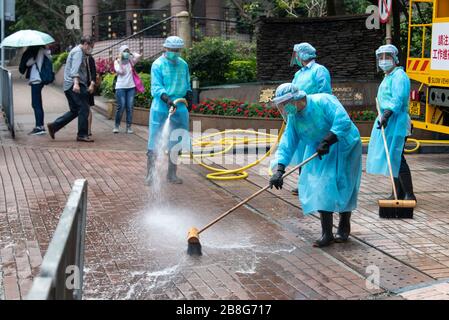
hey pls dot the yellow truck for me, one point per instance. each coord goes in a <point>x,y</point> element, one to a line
<point>428,64</point>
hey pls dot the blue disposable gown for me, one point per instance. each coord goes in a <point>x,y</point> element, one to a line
<point>313,78</point>
<point>172,79</point>
<point>331,184</point>
<point>393,94</point>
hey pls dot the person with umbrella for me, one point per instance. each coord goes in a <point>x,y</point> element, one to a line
<point>37,67</point>
<point>31,64</point>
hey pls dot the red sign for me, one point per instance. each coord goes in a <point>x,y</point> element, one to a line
<point>385,10</point>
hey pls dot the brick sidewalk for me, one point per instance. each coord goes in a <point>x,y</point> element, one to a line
<point>135,248</point>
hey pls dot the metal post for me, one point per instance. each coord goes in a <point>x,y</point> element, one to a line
<point>2,15</point>
<point>196,90</point>
<point>388,37</point>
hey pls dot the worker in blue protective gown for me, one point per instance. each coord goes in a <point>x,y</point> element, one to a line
<point>393,96</point>
<point>170,80</point>
<point>331,182</point>
<point>311,78</point>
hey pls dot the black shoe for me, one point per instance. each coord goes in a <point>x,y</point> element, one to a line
<point>295,192</point>
<point>171,175</point>
<point>327,236</point>
<point>84,139</point>
<point>51,130</point>
<point>37,131</point>
<point>150,168</point>
<point>407,186</point>
<point>344,227</point>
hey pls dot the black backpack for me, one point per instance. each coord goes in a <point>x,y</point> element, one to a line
<point>46,73</point>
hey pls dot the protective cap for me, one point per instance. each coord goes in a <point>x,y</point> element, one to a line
<point>390,49</point>
<point>174,42</point>
<point>123,48</point>
<point>286,92</point>
<point>305,51</point>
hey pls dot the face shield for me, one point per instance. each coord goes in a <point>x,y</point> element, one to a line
<point>284,105</point>
<point>294,60</point>
<point>385,61</point>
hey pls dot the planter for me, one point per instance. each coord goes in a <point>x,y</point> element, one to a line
<point>140,115</point>
<point>205,122</point>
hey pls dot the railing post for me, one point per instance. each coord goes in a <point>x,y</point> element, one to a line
<point>184,29</point>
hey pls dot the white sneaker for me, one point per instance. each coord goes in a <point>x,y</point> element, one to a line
<point>129,131</point>
<point>116,130</point>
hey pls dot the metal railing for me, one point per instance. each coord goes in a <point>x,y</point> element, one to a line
<point>224,28</point>
<point>6,99</point>
<point>138,42</point>
<point>61,275</point>
<point>122,23</point>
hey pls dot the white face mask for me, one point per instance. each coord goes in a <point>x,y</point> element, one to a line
<point>386,64</point>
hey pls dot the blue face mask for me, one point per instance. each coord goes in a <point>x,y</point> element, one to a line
<point>291,109</point>
<point>125,55</point>
<point>386,65</point>
<point>172,55</point>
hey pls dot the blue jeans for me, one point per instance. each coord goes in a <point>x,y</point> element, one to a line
<point>125,99</point>
<point>36,103</point>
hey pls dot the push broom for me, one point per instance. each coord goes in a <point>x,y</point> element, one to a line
<point>402,209</point>
<point>193,238</point>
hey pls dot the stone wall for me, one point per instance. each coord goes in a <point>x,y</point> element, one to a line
<point>344,45</point>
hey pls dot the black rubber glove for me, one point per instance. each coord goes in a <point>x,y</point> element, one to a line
<point>324,146</point>
<point>189,98</point>
<point>276,179</point>
<point>168,101</point>
<point>384,119</point>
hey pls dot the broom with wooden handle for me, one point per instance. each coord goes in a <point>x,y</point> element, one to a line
<point>193,238</point>
<point>393,208</point>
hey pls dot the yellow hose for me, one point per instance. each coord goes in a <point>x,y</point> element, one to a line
<point>229,144</point>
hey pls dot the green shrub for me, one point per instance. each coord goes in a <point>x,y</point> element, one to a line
<point>242,71</point>
<point>143,100</point>
<point>59,60</point>
<point>209,60</point>
<point>144,66</point>
<point>106,87</point>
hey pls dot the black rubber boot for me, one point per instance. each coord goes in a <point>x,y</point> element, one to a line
<point>150,168</point>
<point>327,237</point>
<point>344,227</point>
<point>407,185</point>
<point>399,190</point>
<point>171,175</point>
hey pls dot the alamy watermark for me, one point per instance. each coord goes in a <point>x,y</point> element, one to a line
<point>72,22</point>
<point>373,277</point>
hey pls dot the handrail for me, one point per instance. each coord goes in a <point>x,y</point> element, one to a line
<point>6,98</point>
<point>64,260</point>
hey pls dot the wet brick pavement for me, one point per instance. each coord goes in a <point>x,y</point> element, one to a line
<point>136,240</point>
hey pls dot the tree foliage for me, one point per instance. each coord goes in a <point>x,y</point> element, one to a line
<point>47,16</point>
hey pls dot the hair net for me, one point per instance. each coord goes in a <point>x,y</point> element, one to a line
<point>286,92</point>
<point>305,51</point>
<point>174,42</point>
<point>390,49</point>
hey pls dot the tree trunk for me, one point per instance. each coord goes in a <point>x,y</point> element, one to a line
<point>340,9</point>
<point>331,8</point>
<point>336,7</point>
